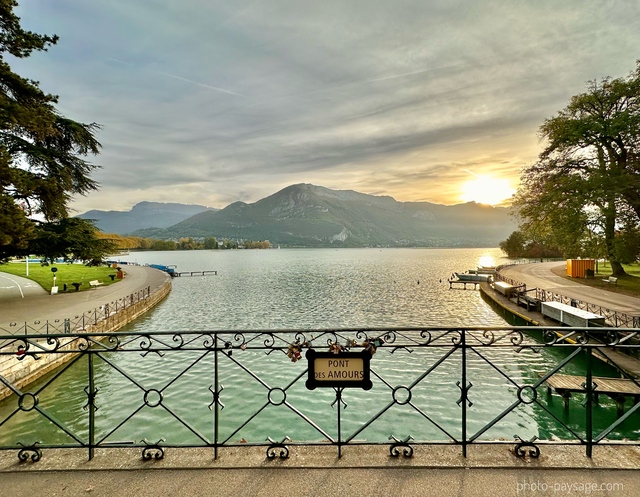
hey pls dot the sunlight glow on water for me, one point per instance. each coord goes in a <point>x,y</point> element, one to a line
<point>487,261</point>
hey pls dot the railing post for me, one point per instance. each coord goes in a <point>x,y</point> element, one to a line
<point>463,342</point>
<point>91,405</point>
<point>339,401</point>
<point>216,410</point>
<point>589,402</point>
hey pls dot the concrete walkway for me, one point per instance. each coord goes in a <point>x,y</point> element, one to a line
<point>328,482</point>
<point>38,305</point>
<point>542,276</point>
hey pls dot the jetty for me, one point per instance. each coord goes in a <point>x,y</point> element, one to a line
<point>171,271</point>
<point>473,277</point>
<point>619,389</point>
<point>462,283</point>
<point>193,273</point>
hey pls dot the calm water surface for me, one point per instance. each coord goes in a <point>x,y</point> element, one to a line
<point>318,288</point>
<point>308,289</point>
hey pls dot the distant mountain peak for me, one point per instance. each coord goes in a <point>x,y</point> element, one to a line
<point>314,216</point>
<point>143,215</point>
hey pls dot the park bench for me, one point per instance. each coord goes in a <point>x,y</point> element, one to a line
<point>95,283</point>
<point>529,301</point>
<point>611,280</point>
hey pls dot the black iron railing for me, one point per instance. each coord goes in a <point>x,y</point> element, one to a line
<point>79,322</point>
<point>236,389</point>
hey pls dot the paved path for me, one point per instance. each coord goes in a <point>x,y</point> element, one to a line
<point>38,305</point>
<point>328,482</point>
<point>542,276</point>
<point>17,287</point>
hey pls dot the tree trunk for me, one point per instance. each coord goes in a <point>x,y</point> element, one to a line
<point>609,233</point>
<point>617,269</point>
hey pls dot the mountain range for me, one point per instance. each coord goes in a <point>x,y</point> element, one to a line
<point>142,215</point>
<point>306,215</point>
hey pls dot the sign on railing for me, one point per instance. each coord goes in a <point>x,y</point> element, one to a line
<point>339,369</point>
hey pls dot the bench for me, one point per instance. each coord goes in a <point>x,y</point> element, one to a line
<point>95,283</point>
<point>611,280</point>
<point>528,301</point>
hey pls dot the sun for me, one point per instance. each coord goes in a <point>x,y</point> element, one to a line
<point>487,190</point>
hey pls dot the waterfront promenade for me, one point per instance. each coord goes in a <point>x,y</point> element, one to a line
<point>541,275</point>
<point>21,300</point>
<point>486,472</point>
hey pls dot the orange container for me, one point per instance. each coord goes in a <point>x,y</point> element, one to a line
<point>576,268</point>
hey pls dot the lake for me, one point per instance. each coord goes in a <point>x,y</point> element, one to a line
<point>319,288</point>
<point>310,289</point>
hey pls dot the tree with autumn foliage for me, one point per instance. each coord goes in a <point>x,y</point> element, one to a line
<point>587,178</point>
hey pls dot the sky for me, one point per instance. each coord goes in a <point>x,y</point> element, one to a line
<point>214,101</point>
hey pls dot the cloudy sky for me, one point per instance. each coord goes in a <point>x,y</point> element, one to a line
<point>213,101</point>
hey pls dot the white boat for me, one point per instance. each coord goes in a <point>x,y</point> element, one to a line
<point>482,270</point>
<point>473,276</point>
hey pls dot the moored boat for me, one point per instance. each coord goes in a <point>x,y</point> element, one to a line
<point>473,276</point>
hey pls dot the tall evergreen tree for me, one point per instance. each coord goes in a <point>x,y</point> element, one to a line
<point>42,153</point>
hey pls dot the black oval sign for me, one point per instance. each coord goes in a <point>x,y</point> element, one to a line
<point>54,269</point>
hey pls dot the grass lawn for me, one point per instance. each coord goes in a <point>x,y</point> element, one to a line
<point>628,285</point>
<point>66,274</point>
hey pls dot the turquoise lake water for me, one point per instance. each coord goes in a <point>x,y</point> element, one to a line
<point>309,289</point>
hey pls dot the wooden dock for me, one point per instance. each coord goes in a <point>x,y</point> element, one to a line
<point>474,284</point>
<point>616,388</point>
<point>175,274</point>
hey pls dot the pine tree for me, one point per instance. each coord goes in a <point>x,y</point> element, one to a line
<point>42,163</point>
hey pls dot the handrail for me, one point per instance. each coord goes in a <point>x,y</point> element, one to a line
<point>205,367</point>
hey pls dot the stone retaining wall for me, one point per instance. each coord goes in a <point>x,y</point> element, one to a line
<point>19,373</point>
